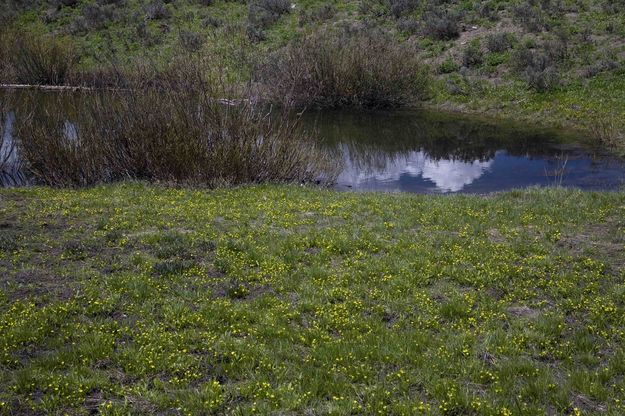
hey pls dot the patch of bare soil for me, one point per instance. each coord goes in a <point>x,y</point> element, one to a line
<point>36,284</point>
<point>523,312</point>
<point>606,241</point>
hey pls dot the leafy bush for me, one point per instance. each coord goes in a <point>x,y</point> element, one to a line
<point>486,10</point>
<point>457,85</point>
<point>603,65</point>
<point>409,25</point>
<point>97,17</point>
<point>78,25</point>
<point>448,66</point>
<point>365,69</point>
<point>255,33</point>
<point>542,80</point>
<point>529,16</point>
<point>322,13</point>
<point>496,59</point>
<point>212,21</point>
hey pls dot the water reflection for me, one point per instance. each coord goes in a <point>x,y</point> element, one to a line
<point>10,168</point>
<point>447,175</point>
<point>409,151</point>
<point>435,153</point>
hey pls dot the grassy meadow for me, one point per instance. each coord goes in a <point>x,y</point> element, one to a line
<point>139,299</point>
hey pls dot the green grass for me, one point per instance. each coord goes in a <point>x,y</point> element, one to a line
<point>574,105</point>
<point>289,300</point>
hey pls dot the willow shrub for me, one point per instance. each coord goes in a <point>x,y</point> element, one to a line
<point>350,70</point>
<point>182,131</point>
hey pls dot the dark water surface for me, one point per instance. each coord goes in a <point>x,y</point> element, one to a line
<point>423,152</point>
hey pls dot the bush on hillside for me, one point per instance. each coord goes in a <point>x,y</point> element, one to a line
<point>264,13</point>
<point>441,24</point>
<point>367,69</point>
<point>500,42</point>
<point>41,60</point>
<point>402,7</point>
<point>537,67</point>
<point>156,10</point>
<point>472,54</point>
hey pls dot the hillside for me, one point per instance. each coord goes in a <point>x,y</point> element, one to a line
<point>546,61</point>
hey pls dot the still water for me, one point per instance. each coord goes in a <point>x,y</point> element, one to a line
<point>425,152</point>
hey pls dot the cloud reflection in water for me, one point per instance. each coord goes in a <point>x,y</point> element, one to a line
<point>447,175</point>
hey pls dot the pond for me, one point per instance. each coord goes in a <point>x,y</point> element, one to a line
<point>427,152</point>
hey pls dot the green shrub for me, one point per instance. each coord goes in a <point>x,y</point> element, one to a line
<point>496,59</point>
<point>263,13</point>
<point>191,41</point>
<point>472,54</point>
<point>322,13</point>
<point>409,25</point>
<point>448,66</point>
<point>538,66</point>
<point>98,17</point>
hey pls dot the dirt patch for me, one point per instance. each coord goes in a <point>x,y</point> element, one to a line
<point>582,402</point>
<point>495,237</point>
<point>606,241</point>
<point>523,312</point>
<point>36,284</point>
<point>93,400</point>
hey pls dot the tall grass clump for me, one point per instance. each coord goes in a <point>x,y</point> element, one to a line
<point>607,131</point>
<point>359,70</point>
<point>177,133</point>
